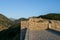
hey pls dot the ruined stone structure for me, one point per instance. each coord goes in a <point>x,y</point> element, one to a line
<point>40,24</point>
<point>55,25</point>
<point>36,28</point>
<point>35,24</point>
<point>24,24</point>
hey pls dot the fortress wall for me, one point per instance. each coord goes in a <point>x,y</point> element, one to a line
<point>35,24</point>
<point>24,24</point>
<point>38,24</point>
<point>55,25</point>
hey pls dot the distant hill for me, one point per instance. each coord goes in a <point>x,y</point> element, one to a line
<point>4,22</point>
<point>12,19</point>
<point>9,29</point>
<point>51,16</point>
<point>23,19</point>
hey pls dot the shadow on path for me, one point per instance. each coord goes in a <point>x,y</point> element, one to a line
<point>54,31</point>
<point>23,33</point>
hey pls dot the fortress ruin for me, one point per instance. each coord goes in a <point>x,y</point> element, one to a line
<point>40,24</point>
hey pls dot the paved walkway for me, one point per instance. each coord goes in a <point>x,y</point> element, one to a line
<point>23,34</point>
<point>42,35</point>
<point>39,35</point>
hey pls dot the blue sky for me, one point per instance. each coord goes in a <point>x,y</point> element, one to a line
<point>27,8</point>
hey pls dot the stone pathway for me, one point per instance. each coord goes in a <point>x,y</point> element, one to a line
<point>41,35</point>
<point>22,34</point>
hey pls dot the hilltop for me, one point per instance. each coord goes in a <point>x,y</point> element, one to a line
<point>51,16</point>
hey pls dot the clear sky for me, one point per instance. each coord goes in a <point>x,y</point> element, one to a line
<point>26,8</point>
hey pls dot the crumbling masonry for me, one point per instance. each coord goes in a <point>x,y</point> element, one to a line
<point>40,24</point>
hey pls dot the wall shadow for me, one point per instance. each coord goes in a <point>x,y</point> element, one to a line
<point>54,31</point>
<point>10,34</point>
<point>23,33</point>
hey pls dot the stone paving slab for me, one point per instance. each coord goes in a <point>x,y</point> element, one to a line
<point>41,35</point>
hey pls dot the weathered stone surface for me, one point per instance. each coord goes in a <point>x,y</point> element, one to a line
<point>41,35</point>
<point>24,24</point>
<point>35,24</point>
<point>55,25</point>
<point>40,24</point>
<point>36,29</point>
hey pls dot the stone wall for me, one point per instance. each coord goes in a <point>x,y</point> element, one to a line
<point>24,24</point>
<point>55,25</point>
<point>36,28</point>
<point>40,24</point>
<point>35,24</point>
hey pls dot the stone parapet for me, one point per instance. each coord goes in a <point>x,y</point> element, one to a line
<point>40,24</point>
